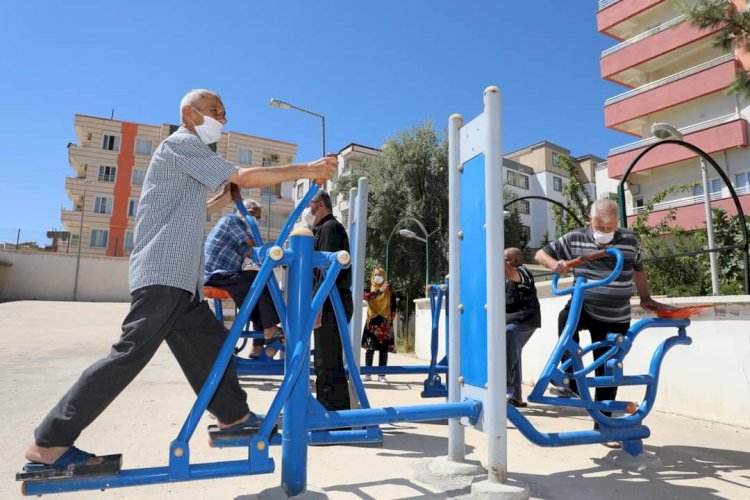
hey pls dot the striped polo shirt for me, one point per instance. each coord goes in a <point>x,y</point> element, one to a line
<point>171,215</point>
<point>610,303</point>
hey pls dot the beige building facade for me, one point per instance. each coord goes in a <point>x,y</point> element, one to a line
<point>109,163</point>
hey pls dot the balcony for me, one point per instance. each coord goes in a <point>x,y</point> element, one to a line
<point>675,40</point>
<point>701,80</point>
<point>691,212</point>
<point>716,135</point>
<point>618,19</point>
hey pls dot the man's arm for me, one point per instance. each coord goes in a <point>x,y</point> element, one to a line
<point>266,176</point>
<point>229,193</point>
<point>546,260</point>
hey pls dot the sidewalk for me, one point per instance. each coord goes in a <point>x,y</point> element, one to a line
<point>46,345</point>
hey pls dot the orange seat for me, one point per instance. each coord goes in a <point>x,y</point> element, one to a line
<point>211,292</point>
<point>678,312</point>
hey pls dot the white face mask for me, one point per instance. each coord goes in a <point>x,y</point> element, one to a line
<point>378,280</point>
<point>603,238</point>
<point>210,130</point>
<point>308,218</point>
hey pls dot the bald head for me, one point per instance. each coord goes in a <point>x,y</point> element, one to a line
<point>252,206</point>
<point>514,256</point>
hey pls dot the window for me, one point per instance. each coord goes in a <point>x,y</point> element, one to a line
<point>111,142</point>
<point>138,175</point>
<point>557,183</point>
<point>129,240</point>
<point>107,174</point>
<point>525,233</point>
<point>268,161</point>
<point>143,147</point>
<point>99,238</point>
<point>523,206</point>
<point>102,205</point>
<point>697,190</point>
<point>300,190</point>
<point>208,218</point>
<point>74,240</point>
<point>638,203</point>
<point>555,159</point>
<point>742,182</point>
<point>245,156</point>
<point>132,207</point>
<point>716,186</point>
<point>516,179</point>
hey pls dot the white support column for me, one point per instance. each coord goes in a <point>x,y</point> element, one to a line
<point>358,226</point>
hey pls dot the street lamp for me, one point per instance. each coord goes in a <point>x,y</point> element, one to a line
<point>406,233</point>
<point>666,131</point>
<point>80,241</point>
<point>279,104</point>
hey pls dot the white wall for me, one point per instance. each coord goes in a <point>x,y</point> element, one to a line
<point>708,380</point>
<point>51,276</point>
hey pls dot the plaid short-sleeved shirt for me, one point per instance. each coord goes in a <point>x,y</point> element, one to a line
<point>610,303</point>
<point>171,215</point>
<point>226,246</point>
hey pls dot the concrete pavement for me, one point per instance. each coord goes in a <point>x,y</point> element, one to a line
<point>45,346</point>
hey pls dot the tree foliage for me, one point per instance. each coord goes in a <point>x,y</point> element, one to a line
<point>577,199</point>
<point>734,32</point>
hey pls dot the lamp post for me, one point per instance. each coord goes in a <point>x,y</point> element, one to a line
<point>80,241</point>
<point>406,233</point>
<point>666,131</point>
<point>278,103</point>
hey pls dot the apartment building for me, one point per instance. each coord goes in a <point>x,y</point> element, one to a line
<point>535,171</point>
<point>350,156</point>
<point>110,160</point>
<point>672,73</point>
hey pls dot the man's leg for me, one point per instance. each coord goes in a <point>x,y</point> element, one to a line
<point>330,378</point>
<point>516,336</point>
<point>195,342</point>
<point>153,312</point>
<point>599,331</point>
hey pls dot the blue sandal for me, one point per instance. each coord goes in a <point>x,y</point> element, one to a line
<point>72,456</point>
<point>278,335</point>
<point>72,463</point>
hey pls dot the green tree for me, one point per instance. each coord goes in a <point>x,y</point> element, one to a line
<point>577,199</point>
<point>734,32</point>
<point>731,263</point>
<point>660,241</point>
<point>408,179</point>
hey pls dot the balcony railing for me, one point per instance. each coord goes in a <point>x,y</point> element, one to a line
<point>685,131</point>
<point>630,41</point>
<point>671,78</point>
<point>603,4</point>
<point>691,200</point>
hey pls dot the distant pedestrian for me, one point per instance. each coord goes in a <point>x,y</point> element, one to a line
<point>378,332</point>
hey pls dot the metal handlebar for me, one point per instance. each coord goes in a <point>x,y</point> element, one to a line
<point>581,282</point>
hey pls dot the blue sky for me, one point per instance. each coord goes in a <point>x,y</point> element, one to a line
<point>372,68</point>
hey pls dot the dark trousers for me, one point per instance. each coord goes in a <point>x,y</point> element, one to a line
<point>598,330</point>
<point>331,387</point>
<point>382,356</point>
<point>157,313</point>
<point>238,285</point>
<point>516,336</point>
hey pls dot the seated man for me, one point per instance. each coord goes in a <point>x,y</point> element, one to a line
<point>227,249</point>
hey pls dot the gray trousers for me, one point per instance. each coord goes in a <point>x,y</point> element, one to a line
<point>516,336</point>
<point>157,313</point>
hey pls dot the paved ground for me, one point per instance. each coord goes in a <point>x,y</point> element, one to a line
<point>45,346</point>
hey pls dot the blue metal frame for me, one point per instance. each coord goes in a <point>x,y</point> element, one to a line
<point>628,428</point>
<point>433,384</point>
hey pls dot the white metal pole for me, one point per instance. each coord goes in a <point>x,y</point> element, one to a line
<point>358,222</point>
<point>456,448</point>
<point>495,409</point>
<point>710,230</point>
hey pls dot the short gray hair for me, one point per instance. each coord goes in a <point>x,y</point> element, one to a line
<point>606,209</point>
<point>195,95</point>
<point>250,203</point>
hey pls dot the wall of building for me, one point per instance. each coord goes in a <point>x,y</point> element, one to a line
<point>51,276</point>
<point>708,380</point>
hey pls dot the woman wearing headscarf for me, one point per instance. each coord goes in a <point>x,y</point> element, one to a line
<point>378,333</point>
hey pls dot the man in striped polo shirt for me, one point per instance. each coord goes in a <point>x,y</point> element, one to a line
<point>606,309</point>
<point>166,282</point>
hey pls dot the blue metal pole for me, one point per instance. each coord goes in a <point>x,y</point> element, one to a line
<point>294,437</point>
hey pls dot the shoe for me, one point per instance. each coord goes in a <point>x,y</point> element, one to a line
<point>366,378</point>
<point>277,335</point>
<point>517,403</point>
<point>382,379</point>
<point>563,392</point>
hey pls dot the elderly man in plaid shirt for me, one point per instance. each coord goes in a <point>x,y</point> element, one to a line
<point>227,248</point>
<point>166,283</point>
